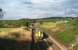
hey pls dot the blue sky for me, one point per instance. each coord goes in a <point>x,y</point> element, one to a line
<point>15,9</point>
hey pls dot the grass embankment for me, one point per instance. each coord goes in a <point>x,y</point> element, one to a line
<point>59,31</point>
<point>5,31</point>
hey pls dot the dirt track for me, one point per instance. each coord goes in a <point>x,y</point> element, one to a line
<point>59,45</point>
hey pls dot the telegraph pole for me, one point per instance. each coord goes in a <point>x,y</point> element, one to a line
<point>33,40</point>
<point>1,13</point>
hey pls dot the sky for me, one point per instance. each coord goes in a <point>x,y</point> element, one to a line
<point>16,9</point>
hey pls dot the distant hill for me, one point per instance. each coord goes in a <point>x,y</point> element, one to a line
<point>55,18</point>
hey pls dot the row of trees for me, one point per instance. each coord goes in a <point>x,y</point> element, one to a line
<point>13,23</point>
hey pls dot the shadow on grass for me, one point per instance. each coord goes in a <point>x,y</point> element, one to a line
<point>6,44</point>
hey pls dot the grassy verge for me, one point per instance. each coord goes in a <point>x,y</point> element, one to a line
<point>76,47</point>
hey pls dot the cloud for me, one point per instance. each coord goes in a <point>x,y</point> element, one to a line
<point>48,8</point>
<point>52,8</point>
<point>16,8</point>
<point>38,8</point>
